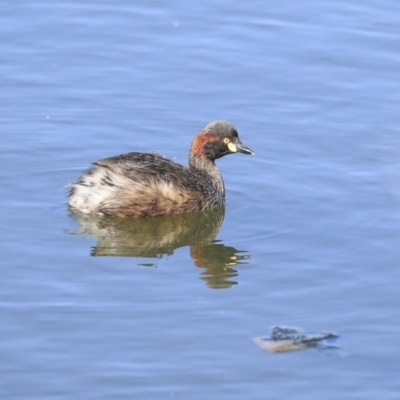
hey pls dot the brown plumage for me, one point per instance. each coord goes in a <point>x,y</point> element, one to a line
<point>148,184</point>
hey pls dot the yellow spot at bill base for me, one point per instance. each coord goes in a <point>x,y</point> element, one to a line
<point>232,147</point>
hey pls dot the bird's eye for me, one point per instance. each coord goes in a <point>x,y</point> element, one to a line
<point>226,140</point>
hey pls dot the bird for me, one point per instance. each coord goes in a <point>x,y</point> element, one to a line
<point>140,184</point>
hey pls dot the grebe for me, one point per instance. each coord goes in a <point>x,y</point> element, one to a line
<point>148,184</point>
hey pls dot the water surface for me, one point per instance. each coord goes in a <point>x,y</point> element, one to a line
<point>309,236</point>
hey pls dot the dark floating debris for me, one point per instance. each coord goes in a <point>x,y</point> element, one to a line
<point>285,338</point>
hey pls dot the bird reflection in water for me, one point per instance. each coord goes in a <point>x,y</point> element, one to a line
<point>160,236</point>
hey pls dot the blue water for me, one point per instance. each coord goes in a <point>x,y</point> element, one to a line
<point>310,235</point>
